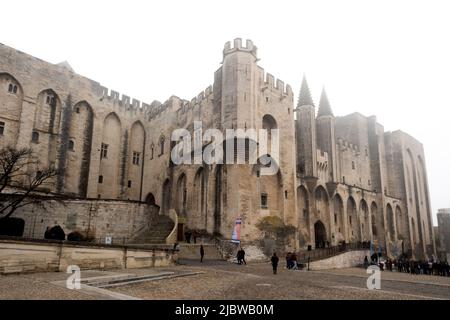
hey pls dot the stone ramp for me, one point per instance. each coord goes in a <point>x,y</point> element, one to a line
<point>347,259</point>
<point>191,251</point>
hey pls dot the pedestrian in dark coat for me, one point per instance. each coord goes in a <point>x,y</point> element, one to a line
<point>274,261</point>
<point>288,260</point>
<point>202,253</point>
<point>243,256</point>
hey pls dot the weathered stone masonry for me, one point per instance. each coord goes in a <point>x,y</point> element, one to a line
<point>340,178</point>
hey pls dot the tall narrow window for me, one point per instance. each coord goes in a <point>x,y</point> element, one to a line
<point>71,145</point>
<point>161,146</point>
<point>353,165</point>
<point>104,151</point>
<point>152,152</point>
<point>100,179</point>
<point>136,157</point>
<point>12,88</point>
<point>2,128</point>
<point>35,137</point>
<point>264,200</point>
<point>129,183</point>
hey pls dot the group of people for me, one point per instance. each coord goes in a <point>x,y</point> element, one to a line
<point>291,261</point>
<point>240,256</point>
<point>188,235</point>
<point>441,268</point>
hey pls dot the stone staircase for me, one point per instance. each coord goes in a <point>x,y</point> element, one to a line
<point>160,228</point>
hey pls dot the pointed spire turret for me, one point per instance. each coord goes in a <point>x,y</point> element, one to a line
<point>324,105</point>
<point>305,95</point>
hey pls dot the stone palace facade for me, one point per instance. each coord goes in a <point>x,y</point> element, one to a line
<point>340,178</point>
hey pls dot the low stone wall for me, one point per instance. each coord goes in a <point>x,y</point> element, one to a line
<point>345,260</point>
<point>39,256</point>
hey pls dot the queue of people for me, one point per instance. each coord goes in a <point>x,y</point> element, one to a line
<point>430,267</point>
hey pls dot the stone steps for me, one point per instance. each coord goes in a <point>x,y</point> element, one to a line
<point>160,229</point>
<point>112,281</point>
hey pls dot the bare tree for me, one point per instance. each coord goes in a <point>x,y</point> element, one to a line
<point>21,176</point>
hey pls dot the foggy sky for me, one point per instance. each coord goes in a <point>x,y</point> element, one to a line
<point>387,58</point>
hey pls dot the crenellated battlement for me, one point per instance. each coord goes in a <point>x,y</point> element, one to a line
<point>322,156</point>
<point>124,101</point>
<point>345,145</point>
<point>322,159</point>
<point>157,108</point>
<point>204,95</point>
<point>237,46</point>
<point>270,82</point>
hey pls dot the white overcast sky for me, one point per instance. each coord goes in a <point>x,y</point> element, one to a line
<point>388,58</point>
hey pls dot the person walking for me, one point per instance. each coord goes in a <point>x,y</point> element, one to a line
<point>274,261</point>
<point>288,260</point>
<point>239,257</point>
<point>202,253</point>
<point>294,264</point>
<point>243,256</point>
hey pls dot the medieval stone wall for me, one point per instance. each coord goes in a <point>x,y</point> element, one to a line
<point>95,219</point>
<point>339,178</point>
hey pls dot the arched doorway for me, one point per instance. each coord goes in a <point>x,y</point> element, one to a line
<point>150,199</point>
<point>320,234</point>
